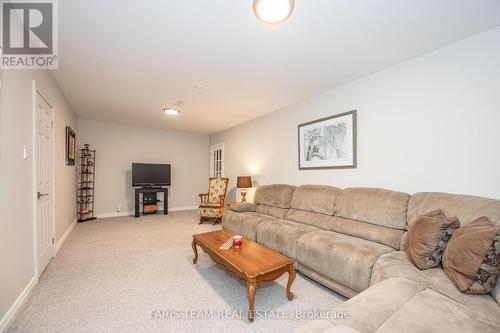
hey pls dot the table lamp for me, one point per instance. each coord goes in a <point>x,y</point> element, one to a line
<point>244,183</point>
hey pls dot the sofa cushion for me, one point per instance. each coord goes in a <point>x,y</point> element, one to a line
<point>345,259</point>
<point>314,219</point>
<point>431,312</point>
<point>373,214</point>
<point>327,282</point>
<point>315,198</point>
<point>244,224</point>
<point>372,232</point>
<point>277,195</point>
<point>427,238</point>
<point>472,258</point>
<point>313,205</point>
<point>397,265</point>
<point>282,236</point>
<point>465,207</point>
<point>439,282</point>
<point>279,213</point>
<point>370,309</point>
<point>376,206</point>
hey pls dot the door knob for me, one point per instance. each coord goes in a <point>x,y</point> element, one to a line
<point>39,195</point>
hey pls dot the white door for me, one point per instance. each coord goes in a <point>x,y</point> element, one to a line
<point>44,203</point>
<point>217,160</point>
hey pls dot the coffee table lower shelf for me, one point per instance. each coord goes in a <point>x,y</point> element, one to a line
<point>239,262</point>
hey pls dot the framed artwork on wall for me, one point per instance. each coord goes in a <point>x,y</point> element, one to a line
<point>328,143</point>
<point>70,146</point>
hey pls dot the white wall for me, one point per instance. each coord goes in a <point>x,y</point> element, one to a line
<point>429,124</point>
<point>16,177</point>
<point>117,146</point>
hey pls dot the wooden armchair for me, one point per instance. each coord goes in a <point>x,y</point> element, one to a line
<point>212,203</point>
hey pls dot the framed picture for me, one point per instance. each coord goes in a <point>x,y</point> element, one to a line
<point>328,143</point>
<point>70,146</point>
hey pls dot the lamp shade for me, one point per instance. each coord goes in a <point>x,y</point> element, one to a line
<point>244,182</point>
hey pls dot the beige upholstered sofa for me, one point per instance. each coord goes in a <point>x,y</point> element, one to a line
<point>349,240</point>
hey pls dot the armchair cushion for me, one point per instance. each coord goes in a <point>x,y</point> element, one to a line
<point>217,189</point>
<point>242,207</point>
<point>211,212</point>
<point>212,203</point>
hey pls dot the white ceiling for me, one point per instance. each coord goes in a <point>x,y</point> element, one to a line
<point>123,60</point>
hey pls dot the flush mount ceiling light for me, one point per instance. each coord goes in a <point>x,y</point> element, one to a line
<point>172,111</point>
<point>273,11</point>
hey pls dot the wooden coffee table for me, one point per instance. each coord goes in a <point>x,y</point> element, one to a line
<point>252,262</point>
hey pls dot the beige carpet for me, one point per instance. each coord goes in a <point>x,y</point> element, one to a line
<point>111,274</point>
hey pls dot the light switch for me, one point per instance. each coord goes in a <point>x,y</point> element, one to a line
<point>25,152</point>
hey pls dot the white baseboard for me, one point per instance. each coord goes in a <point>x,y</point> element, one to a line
<point>63,238</point>
<point>115,214</point>
<point>6,321</point>
<point>176,209</point>
<point>131,213</point>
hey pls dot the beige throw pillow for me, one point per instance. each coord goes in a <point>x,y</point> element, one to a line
<point>427,238</point>
<point>472,258</point>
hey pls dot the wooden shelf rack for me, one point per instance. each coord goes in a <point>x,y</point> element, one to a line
<point>85,184</point>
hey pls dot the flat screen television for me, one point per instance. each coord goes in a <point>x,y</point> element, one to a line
<point>148,175</point>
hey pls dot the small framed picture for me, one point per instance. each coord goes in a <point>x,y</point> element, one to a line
<point>328,143</point>
<point>70,146</point>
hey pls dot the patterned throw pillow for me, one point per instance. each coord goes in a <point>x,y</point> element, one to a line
<point>485,279</point>
<point>427,238</point>
<point>472,257</point>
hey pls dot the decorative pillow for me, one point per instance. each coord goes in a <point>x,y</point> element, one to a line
<point>472,258</point>
<point>427,238</point>
<point>242,207</point>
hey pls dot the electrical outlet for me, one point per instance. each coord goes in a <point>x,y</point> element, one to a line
<point>119,208</point>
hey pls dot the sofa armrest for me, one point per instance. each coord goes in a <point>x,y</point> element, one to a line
<point>242,207</point>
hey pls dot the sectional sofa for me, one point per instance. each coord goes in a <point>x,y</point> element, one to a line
<point>350,240</point>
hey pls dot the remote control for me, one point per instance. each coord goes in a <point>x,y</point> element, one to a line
<point>227,245</point>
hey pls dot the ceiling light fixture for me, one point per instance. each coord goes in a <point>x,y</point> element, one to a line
<point>273,11</point>
<point>172,111</point>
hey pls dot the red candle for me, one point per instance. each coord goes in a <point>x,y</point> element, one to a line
<point>237,241</point>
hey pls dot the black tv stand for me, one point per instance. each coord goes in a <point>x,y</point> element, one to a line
<point>149,190</point>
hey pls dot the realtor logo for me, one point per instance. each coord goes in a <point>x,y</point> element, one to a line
<point>29,34</point>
